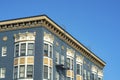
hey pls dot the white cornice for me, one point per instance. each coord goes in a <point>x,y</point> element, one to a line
<point>46,22</point>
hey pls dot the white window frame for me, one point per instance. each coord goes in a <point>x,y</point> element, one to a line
<point>88,75</point>
<point>85,75</point>
<point>80,67</point>
<point>19,43</point>
<point>49,44</point>
<point>62,59</point>
<point>1,72</point>
<point>4,50</point>
<point>71,58</point>
<point>57,58</point>
<point>57,76</point>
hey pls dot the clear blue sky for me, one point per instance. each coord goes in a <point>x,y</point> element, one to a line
<point>95,23</point>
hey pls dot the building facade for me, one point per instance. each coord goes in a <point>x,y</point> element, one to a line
<point>36,48</point>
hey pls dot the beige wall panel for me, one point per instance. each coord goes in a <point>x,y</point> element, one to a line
<point>15,61</point>
<point>45,60</point>
<point>50,62</point>
<point>30,60</point>
<point>22,60</point>
<point>72,74</point>
<point>78,77</point>
<point>69,73</point>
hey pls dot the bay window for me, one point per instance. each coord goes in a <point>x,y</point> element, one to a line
<point>24,49</point>
<point>48,53</point>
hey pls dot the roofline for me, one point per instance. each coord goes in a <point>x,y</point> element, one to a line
<point>75,39</point>
<point>45,17</point>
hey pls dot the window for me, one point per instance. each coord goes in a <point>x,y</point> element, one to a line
<point>92,76</point>
<point>4,51</point>
<point>84,75</point>
<point>23,49</point>
<point>45,72</point>
<point>30,49</point>
<point>2,72</point>
<point>70,63</point>
<point>17,50</point>
<point>29,71</point>
<point>45,49</point>
<point>48,50</point>
<point>79,69</point>
<point>57,58</point>
<point>57,75</point>
<point>88,76</point>
<point>22,71</point>
<point>62,59</point>
<point>50,73</point>
<point>15,72</point>
<point>99,78</point>
<point>68,78</point>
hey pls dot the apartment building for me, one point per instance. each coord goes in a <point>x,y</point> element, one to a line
<point>37,48</point>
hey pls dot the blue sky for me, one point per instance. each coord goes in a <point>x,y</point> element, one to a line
<point>95,23</point>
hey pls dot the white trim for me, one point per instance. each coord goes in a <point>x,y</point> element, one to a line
<point>4,50</point>
<point>25,57</point>
<point>1,71</point>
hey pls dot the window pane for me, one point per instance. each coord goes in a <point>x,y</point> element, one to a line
<point>68,63</point>
<point>84,75</point>
<point>45,49</point>
<point>72,64</point>
<point>57,75</point>
<point>30,71</point>
<point>30,49</point>
<point>68,78</point>
<point>57,58</point>
<point>15,72</point>
<point>78,69</point>
<point>22,71</point>
<point>17,50</point>
<point>45,72</point>
<point>50,51</point>
<point>92,77</point>
<point>50,73</point>
<point>23,49</point>
<point>62,59</point>
<point>30,45</point>
<point>88,77</point>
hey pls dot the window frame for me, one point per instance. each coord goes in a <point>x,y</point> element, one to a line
<point>49,51</point>
<point>71,63</point>
<point>26,48</point>
<point>4,50</point>
<point>2,72</point>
